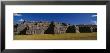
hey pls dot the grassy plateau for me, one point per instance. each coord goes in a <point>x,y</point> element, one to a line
<point>66,36</point>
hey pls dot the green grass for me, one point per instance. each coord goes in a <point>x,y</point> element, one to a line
<point>66,36</point>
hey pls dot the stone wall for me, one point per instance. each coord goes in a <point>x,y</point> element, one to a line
<point>60,29</point>
<point>52,28</point>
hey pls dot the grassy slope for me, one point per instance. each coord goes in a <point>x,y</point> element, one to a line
<point>66,36</point>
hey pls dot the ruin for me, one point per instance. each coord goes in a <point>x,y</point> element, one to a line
<point>29,28</point>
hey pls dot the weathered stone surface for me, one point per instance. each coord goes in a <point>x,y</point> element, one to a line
<point>52,28</point>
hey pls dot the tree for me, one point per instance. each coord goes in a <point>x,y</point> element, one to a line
<point>50,29</point>
<point>71,29</point>
<point>15,27</point>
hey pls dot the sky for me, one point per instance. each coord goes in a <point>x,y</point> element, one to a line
<point>70,18</point>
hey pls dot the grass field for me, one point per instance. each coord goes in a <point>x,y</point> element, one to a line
<point>66,36</point>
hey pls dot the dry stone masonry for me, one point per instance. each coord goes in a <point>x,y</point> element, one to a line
<point>29,28</point>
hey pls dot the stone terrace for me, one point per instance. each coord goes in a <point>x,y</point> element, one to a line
<point>55,27</point>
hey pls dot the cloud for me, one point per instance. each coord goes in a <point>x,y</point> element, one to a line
<point>21,20</point>
<point>94,22</point>
<point>94,15</point>
<point>16,14</point>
